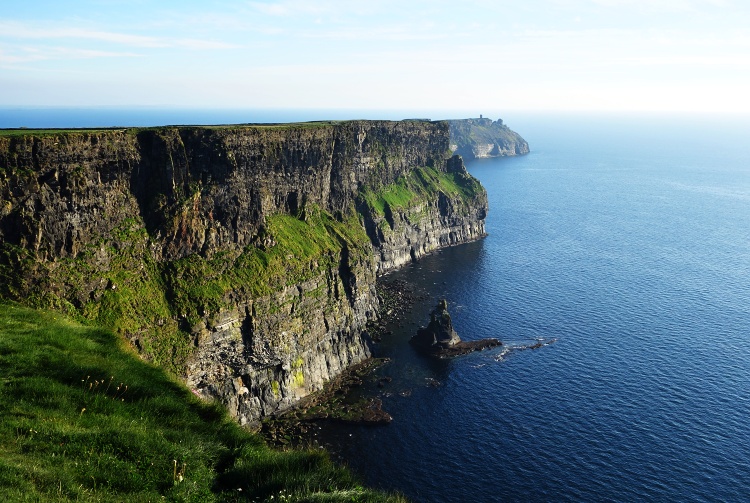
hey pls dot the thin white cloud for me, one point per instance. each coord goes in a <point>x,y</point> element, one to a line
<point>15,58</point>
<point>199,44</point>
<point>338,8</point>
<point>731,60</point>
<point>9,30</point>
<point>628,40</point>
<point>379,33</point>
<point>663,5</point>
<point>34,54</point>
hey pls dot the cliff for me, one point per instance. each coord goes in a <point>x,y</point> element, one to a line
<point>243,258</point>
<point>476,138</point>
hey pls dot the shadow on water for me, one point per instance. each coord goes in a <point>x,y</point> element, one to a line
<point>410,375</point>
<point>427,281</point>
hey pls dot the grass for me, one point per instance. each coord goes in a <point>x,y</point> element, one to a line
<point>83,419</point>
<point>11,132</point>
<point>301,249</point>
<point>25,131</point>
<point>143,298</point>
<point>421,184</point>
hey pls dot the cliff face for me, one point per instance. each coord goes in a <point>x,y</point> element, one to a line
<point>424,211</point>
<point>243,258</point>
<point>477,138</point>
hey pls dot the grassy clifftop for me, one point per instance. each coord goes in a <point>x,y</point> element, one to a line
<point>83,419</point>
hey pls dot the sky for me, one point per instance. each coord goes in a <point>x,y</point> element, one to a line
<point>547,55</point>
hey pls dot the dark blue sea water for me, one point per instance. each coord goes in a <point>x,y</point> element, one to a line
<point>628,240</point>
<point>625,238</point>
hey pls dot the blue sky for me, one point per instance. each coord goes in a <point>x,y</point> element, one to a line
<point>632,55</point>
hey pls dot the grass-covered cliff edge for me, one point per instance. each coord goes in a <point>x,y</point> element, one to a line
<point>83,418</point>
<point>241,258</point>
<point>476,138</point>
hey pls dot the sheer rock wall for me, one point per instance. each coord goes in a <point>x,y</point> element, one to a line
<point>242,257</point>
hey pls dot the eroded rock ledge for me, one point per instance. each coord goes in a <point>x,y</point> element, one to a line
<point>243,258</point>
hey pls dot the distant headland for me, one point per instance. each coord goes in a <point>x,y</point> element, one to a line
<point>483,137</point>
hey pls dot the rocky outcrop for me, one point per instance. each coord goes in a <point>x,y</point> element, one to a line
<point>477,138</point>
<point>244,257</point>
<point>439,332</point>
<point>438,337</point>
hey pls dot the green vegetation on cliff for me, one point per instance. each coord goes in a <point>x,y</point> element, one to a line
<point>82,418</point>
<point>148,299</point>
<point>420,184</point>
<point>130,299</point>
<point>294,249</point>
<point>224,254</point>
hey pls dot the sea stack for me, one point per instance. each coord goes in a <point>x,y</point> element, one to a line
<point>439,334</point>
<point>439,338</point>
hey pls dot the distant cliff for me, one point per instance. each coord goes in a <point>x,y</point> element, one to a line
<point>242,257</point>
<point>475,138</point>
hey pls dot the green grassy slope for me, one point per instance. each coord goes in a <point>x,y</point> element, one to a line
<point>421,184</point>
<point>82,418</point>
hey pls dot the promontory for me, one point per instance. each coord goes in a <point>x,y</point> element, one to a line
<point>483,137</point>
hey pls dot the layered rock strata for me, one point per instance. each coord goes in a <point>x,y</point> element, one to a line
<point>242,257</point>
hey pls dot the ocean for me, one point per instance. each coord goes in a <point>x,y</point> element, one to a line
<point>624,238</point>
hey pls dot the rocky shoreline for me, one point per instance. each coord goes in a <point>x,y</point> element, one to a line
<point>339,400</point>
<point>465,347</point>
<point>343,399</point>
<point>335,402</point>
